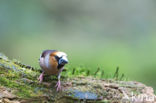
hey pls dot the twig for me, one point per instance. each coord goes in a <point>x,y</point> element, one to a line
<point>73,72</point>
<point>98,69</point>
<point>122,76</point>
<point>88,73</point>
<point>116,74</point>
<point>102,73</point>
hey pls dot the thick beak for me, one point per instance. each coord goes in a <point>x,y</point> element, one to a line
<point>63,61</point>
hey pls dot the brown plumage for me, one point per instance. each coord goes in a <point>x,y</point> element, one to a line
<point>52,63</point>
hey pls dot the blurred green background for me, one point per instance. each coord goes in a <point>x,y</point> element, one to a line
<point>94,33</point>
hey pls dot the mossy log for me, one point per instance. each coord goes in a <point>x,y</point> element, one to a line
<point>19,84</point>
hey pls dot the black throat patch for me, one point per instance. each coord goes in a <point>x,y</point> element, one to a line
<point>59,66</point>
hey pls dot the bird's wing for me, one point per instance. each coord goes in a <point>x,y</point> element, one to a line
<point>48,65</point>
<point>44,58</point>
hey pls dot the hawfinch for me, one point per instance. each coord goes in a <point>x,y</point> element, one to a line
<point>52,62</point>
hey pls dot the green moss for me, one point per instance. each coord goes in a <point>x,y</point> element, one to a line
<point>12,78</point>
<point>22,89</point>
<point>23,81</point>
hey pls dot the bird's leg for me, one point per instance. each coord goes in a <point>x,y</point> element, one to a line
<point>41,77</point>
<point>58,85</point>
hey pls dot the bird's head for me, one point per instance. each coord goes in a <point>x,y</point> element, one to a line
<point>61,58</point>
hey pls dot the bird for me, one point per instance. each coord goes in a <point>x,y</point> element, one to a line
<point>52,62</point>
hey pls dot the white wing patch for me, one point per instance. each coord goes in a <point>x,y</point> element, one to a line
<point>46,61</point>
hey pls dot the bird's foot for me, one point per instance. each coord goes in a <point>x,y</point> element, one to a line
<point>58,85</point>
<point>41,77</point>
